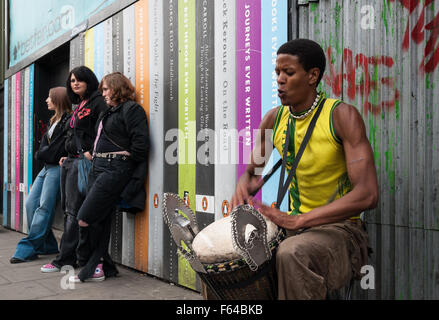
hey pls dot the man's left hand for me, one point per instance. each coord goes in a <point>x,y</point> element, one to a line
<point>280,218</point>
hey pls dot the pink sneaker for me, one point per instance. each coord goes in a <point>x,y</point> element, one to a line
<point>97,276</point>
<point>49,268</point>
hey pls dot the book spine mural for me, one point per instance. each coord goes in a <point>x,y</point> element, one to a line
<point>117,222</point>
<point>142,93</point>
<point>5,151</point>
<point>248,78</point>
<point>17,151</point>
<point>108,46</point>
<point>187,123</point>
<point>205,115</point>
<point>170,126</point>
<point>156,117</point>
<point>129,53</point>
<point>98,35</point>
<point>89,46</point>
<point>274,15</point>
<point>31,126</point>
<point>225,106</point>
<point>10,150</point>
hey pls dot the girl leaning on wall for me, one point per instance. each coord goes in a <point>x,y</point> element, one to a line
<point>82,88</point>
<point>41,202</point>
<point>120,152</point>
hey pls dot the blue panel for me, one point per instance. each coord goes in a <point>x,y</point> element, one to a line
<point>5,153</point>
<point>274,33</point>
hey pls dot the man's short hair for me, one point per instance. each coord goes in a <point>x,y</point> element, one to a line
<point>309,52</point>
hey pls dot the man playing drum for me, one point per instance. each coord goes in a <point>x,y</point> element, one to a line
<point>334,182</point>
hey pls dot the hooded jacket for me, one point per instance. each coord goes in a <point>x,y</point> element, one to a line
<point>52,149</point>
<point>84,127</point>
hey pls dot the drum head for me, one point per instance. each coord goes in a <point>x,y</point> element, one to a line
<point>214,244</point>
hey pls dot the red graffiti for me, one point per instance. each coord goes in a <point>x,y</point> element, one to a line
<point>417,34</point>
<point>363,68</point>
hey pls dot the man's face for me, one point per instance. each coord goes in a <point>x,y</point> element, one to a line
<point>292,79</point>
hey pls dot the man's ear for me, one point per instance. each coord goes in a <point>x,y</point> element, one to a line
<point>313,74</point>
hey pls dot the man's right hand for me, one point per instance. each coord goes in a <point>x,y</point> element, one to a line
<point>246,186</point>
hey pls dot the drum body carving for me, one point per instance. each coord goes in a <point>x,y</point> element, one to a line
<point>234,256</point>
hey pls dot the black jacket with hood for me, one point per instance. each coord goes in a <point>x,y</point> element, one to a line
<point>52,149</point>
<point>85,125</point>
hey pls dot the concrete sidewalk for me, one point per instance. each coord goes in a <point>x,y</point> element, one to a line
<point>26,281</point>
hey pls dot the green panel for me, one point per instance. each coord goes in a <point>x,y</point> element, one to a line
<point>186,120</point>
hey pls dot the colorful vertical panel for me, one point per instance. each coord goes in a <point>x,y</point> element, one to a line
<point>98,36</point>
<point>205,114</point>
<point>17,151</point>
<point>248,81</point>
<point>74,53</point>
<point>142,92</point>
<point>116,237</point>
<point>31,127</point>
<point>129,70</point>
<point>170,126</point>
<point>274,15</point>
<point>117,222</point>
<point>21,154</point>
<point>10,150</point>
<point>89,55</point>
<point>118,42</point>
<point>5,151</point>
<point>108,46</point>
<point>129,45</point>
<point>156,116</point>
<point>187,124</point>
<point>225,98</point>
<point>25,144</point>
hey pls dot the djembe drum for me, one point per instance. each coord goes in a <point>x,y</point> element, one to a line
<point>234,256</point>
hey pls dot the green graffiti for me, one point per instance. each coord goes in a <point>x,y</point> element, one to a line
<point>397,111</point>
<point>337,15</point>
<point>390,169</point>
<point>373,140</point>
<point>386,24</point>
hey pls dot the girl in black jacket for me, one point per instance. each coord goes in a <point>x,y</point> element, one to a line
<point>41,202</point>
<point>121,145</point>
<point>82,88</point>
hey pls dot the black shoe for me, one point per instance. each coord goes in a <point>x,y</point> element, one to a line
<point>14,260</point>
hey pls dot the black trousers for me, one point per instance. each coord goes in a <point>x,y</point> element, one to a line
<point>107,179</point>
<point>71,201</point>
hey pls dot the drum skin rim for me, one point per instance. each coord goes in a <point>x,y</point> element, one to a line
<point>236,264</point>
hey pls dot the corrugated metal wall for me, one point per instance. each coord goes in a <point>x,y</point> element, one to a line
<point>383,57</point>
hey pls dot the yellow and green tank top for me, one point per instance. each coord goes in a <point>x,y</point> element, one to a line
<point>321,175</point>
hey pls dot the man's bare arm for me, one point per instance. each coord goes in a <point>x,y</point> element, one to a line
<point>249,182</point>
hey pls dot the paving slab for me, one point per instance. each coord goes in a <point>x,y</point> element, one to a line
<point>25,281</point>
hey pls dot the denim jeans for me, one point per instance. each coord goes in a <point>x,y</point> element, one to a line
<point>71,201</point>
<point>40,210</point>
